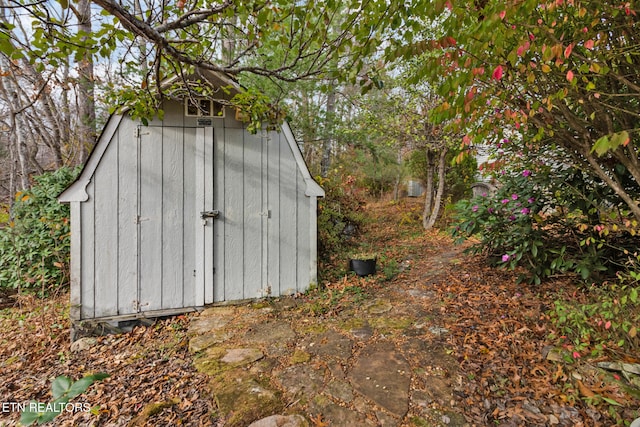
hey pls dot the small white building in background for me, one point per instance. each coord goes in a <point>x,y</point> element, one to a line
<point>189,210</point>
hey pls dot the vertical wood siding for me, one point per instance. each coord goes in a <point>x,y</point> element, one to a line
<point>126,286</point>
<point>143,244</point>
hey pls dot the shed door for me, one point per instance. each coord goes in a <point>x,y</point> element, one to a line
<point>175,242</point>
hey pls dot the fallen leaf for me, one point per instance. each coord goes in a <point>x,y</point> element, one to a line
<point>318,421</point>
<point>584,390</point>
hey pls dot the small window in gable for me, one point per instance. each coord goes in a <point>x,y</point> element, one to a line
<point>199,107</point>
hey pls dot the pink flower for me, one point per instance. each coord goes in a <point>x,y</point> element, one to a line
<point>514,196</point>
<point>475,208</point>
<point>505,258</point>
<point>531,199</point>
<point>576,355</point>
<point>526,172</point>
<point>504,201</point>
<point>525,211</point>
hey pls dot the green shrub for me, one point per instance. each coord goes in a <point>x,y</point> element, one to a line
<point>34,246</point>
<point>600,320</point>
<point>551,222</point>
<point>339,216</point>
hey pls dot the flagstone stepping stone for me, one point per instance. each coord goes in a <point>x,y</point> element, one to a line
<point>242,356</point>
<point>378,306</point>
<point>202,342</point>
<point>243,398</point>
<point>340,390</point>
<point>419,293</point>
<point>335,415</point>
<point>383,375</point>
<point>331,344</point>
<point>363,332</point>
<point>219,312</point>
<point>270,333</point>
<point>386,420</point>
<point>281,421</point>
<point>301,379</point>
<point>202,325</point>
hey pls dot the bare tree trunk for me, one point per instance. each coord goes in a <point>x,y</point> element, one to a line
<point>439,192</point>
<point>325,163</point>
<point>21,150</point>
<point>428,198</point>
<point>396,189</point>
<point>86,100</point>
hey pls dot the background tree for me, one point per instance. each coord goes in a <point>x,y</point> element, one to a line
<point>557,73</point>
<point>45,91</point>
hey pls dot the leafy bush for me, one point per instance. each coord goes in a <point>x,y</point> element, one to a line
<point>339,215</point>
<point>552,222</point>
<point>34,246</point>
<point>601,320</point>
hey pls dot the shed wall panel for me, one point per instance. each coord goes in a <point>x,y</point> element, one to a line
<point>220,223</point>
<point>173,114</point>
<point>106,233</point>
<point>288,221</point>
<point>303,237</point>
<point>127,218</point>
<point>209,224</point>
<point>172,217</point>
<point>75,295</point>
<point>253,215</point>
<point>88,255</point>
<point>190,218</point>
<point>150,219</point>
<point>273,204</point>
<point>234,215</point>
<point>199,207</point>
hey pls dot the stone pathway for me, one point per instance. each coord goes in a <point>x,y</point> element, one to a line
<point>380,363</point>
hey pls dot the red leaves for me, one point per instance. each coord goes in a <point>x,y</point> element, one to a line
<point>522,49</point>
<point>568,50</point>
<point>570,76</point>
<point>497,73</point>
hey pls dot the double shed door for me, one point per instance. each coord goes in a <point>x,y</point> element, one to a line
<point>175,221</point>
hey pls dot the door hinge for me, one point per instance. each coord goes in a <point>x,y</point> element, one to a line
<point>137,132</point>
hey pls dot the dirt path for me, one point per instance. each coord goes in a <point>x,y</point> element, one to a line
<point>380,360</point>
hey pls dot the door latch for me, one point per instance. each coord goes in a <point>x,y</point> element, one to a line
<point>210,214</point>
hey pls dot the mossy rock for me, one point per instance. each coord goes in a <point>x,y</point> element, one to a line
<point>243,398</point>
<point>312,328</point>
<point>300,356</point>
<point>390,324</point>
<point>217,360</point>
<point>208,362</point>
<point>351,324</point>
<point>378,306</point>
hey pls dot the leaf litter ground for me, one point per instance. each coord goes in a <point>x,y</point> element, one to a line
<point>488,344</point>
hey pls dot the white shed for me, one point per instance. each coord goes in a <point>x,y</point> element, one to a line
<point>189,210</point>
